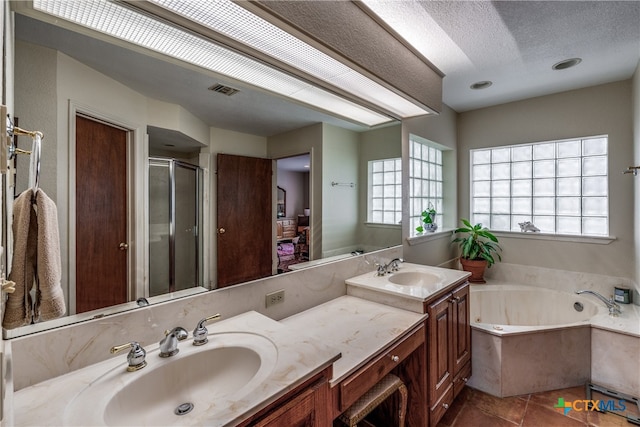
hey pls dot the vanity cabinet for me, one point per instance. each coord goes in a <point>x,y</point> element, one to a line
<point>405,358</point>
<point>305,406</point>
<point>449,349</point>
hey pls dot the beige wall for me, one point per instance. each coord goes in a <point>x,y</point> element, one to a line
<point>384,143</point>
<point>442,130</point>
<point>339,203</point>
<point>636,162</point>
<point>597,110</point>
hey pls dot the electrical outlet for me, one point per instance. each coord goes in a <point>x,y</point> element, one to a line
<point>275,298</point>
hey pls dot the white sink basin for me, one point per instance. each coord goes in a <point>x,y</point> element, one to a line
<point>179,389</point>
<point>415,281</point>
<point>421,279</point>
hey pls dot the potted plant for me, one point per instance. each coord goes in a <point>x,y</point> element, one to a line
<point>477,250</point>
<point>428,218</point>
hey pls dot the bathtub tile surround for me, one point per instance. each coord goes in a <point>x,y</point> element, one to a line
<point>56,352</point>
<point>531,342</point>
<point>569,281</point>
<point>615,361</point>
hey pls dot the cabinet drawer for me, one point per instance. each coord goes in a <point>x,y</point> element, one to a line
<point>461,378</point>
<point>441,406</point>
<point>366,377</point>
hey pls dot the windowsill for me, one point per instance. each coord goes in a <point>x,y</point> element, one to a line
<point>427,237</point>
<point>381,225</point>
<point>598,240</point>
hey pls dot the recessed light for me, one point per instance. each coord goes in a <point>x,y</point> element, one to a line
<point>481,85</point>
<point>567,63</point>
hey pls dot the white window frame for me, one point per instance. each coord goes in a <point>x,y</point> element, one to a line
<point>426,168</point>
<point>390,191</point>
<point>584,221</point>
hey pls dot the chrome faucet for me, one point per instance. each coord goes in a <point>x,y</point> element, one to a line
<point>200,332</point>
<point>381,269</point>
<point>614,308</point>
<point>136,355</point>
<point>395,264</point>
<point>169,344</point>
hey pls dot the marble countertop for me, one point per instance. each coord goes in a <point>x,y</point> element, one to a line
<point>300,356</point>
<point>407,296</point>
<point>442,278</point>
<point>357,328</point>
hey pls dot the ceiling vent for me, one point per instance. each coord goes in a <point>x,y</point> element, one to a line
<point>225,90</point>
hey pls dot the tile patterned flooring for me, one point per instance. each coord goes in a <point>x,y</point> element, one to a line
<point>473,408</point>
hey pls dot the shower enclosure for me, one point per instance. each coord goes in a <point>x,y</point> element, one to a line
<point>174,219</point>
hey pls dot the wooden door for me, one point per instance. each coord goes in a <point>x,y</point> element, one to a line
<point>101,215</point>
<point>244,219</point>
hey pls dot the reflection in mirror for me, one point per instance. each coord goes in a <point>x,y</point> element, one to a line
<point>281,203</point>
<point>59,73</point>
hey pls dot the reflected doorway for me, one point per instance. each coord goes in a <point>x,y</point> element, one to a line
<point>174,226</point>
<point>293,229</point>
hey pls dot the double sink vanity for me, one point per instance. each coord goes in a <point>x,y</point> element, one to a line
<point>305,369</point>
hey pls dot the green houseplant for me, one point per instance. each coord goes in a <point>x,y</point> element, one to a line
<point>428,218</point>
<point>478,250</point>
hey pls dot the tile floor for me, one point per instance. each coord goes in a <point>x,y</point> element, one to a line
<point>473,408</point>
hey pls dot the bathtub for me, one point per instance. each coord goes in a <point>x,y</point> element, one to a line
<point>527,339</point>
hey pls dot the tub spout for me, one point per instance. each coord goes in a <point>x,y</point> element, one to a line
<point>614,308</point>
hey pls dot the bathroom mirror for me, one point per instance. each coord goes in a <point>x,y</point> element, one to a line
<point>45,51</point>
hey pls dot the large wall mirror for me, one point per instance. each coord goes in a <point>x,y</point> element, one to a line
<point>167,111</point>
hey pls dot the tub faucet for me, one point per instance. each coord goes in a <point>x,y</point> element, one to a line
<point>614,308</point>
<point>169,344</point>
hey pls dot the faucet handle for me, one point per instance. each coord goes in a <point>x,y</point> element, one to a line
<point>381,269</point>
<point>200,332</point>
<point>395,264</point>
<point>136,355</point>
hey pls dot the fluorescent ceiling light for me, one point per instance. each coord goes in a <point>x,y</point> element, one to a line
<point>125,24</point>
<point>231,20</point>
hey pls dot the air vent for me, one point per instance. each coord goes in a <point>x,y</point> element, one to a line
<point>225,90</point>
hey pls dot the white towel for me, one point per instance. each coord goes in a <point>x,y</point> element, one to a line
<point>36,258</point>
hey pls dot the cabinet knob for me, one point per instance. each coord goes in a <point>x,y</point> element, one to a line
<point>465,379</point>
<point>395,358</point>
<point>445,405</point>
<point>123,246</point>
<point>221,230</point>
<point>455,300</point>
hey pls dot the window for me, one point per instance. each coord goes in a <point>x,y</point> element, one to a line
<point>560,186</point>
<point>385,191</point>
<point>425,181</point>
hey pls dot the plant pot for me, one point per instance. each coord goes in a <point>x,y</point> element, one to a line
<point>476,267</point>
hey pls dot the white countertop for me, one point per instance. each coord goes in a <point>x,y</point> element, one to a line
<point>357,328</point>
<point>298,359</point>
<point>445,278</point>
<point>346,331</point>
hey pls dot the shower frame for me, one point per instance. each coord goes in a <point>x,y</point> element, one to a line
<point>172,162</point>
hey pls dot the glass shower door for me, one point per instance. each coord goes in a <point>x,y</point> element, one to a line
<point>174,212</point>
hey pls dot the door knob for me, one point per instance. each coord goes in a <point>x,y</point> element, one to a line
<point>123,246</point>
<point>221,230</point>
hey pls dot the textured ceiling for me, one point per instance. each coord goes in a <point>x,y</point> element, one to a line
<point>515,43</point>
<point>512,43</point>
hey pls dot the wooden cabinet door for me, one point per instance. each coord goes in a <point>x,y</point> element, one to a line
<point>461,328</point>
<point>440,349</point>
